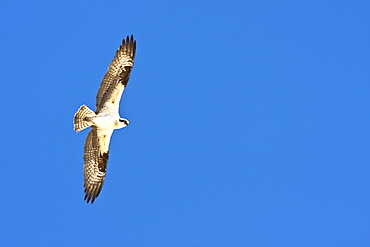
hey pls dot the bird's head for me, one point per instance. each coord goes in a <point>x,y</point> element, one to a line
<point>122,123</point>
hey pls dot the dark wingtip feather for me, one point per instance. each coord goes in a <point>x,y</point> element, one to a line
<point>92,192</point>
<point>130,42</point>
<point>90,195</point>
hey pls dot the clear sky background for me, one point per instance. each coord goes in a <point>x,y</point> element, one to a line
<point>249,123</point>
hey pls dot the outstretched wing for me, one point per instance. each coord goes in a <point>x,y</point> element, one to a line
<point>95,161</point>
<point>117,76</point>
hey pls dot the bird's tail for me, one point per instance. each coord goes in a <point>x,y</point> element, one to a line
<point>82,118</point>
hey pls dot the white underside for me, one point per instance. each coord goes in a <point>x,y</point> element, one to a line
<point>103,120</point>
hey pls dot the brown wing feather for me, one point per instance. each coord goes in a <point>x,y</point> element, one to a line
<point>95,161</point>
<point>117,76</point>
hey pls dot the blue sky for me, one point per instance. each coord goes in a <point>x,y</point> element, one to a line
<point>249,123</point>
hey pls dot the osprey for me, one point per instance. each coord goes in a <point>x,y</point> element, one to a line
<point>105,119</point>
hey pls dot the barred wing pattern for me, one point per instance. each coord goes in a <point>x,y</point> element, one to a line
<point>117,76</point>
<point>96,154</point>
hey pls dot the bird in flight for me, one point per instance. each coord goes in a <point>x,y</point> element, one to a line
<point>105,119</point>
